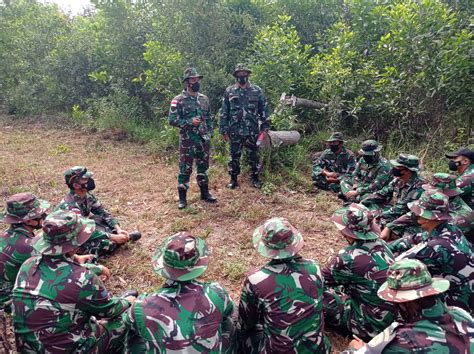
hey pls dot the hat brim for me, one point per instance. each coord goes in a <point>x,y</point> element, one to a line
<point>447,192</point>
<point>372,234</point>
<point>395,163</point>
<point>238,71</point>
<point>189,77</point>
<point>437,286</point>
<point>44,247</point>
<point>369,153</point>
<point>332,140</point>
<point>33,214</point>
<point>188,273</point>
<point>430,215</point>
<point>289,251</point>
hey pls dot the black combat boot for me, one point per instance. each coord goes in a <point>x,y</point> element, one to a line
<point>205,195</point>
<point>134,236</point>
<point>182,198</point>
<point>256,181</point>
<point>233,182</point>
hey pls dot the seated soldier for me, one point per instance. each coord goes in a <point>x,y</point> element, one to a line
<point>442,247</point>
<point>405,187</point>
<point>427,325</point>
<point>462,161</point>
<point>371,174</point>
<point>461,215</point>
<point>25,214</point>
<point>57,302</point>
<point>354,275</point>
<point>335,162</point>
<point>185,315</point>
<point>108,234</point>
<point>281,307</point>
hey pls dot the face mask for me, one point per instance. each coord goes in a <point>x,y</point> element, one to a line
<point>195,87</point>
<point>369,159</point>
<point>90,185</point>
<point>453,165</point>
<point>334,148</point>
<point>243,79</point>
<point>397,172</point>
<point>39,224</point>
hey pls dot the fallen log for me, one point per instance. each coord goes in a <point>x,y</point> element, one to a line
<point>276,139</point>
<point>301,102</point>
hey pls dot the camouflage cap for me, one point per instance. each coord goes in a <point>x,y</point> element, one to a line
<point>432,205</point>
<point>411,162</point>
<point>22,207</point>
<point>241,67</point>
<point>445,183</point>
<point>356,221</point>
<point>408,280</point>
<point>73,173</point>
<point>464,151</point>
<point>63,231</point>
<point>189,73</point>
<point>277,239</point>
<point>370,147</point>
<point>181,257</point>
<point>336,136</point>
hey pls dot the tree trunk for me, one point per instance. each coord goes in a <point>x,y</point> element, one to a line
<point>275,139</point>
<point>301,102</point>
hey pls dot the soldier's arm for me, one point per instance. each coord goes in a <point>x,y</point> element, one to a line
<point>248,308</point>
<point>351,164</point>
<point>225,113</point>
<point>464,182</point>
<point>399,225</point>
<point>336,272</point>
<point>383,177</point>
<point>381,196</point>
<point>98,209</point>
<point>262,112</point>
<point>401,206</point>
<point>135,342</point>
<point>175,116</point>
<point>319,164</point>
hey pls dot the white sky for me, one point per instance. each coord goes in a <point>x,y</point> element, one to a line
<point>73,6</point>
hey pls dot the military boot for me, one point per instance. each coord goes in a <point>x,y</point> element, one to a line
<point>233,182</point>
<point>256,181</point>
<point>205,195</point>
<point>182,198</point>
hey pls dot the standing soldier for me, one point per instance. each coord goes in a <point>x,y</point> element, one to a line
<point>190,112</point>
<point>244,114</point>
<point>372,173</point>
<point>462,161</point>
<point>335,162</point>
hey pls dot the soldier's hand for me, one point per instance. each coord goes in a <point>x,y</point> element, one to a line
<point>83,259</point>
<point>356,343</point>
<point>385,234</point>
<point>119,239</point>
<point>196,121</point>
<point>131,299</point>
<point>105,273</point>
<point>225,137</point>
<point>351,194</point>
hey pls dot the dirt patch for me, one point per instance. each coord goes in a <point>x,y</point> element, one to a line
<point>140,189</point>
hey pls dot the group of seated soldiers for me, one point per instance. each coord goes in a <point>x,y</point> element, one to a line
<point>412,294</point>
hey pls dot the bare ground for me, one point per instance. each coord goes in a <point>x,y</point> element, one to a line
<point>140,189</point>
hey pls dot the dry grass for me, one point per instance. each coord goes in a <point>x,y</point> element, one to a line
<point>140,189</point>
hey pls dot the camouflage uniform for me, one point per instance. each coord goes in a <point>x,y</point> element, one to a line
<point>185,315</point>
<point>100,242</point>
<point>445,250</point>
<point>439,329</point>
<point>354,275</point>
<point>56,302</point>
<point>397,192</point>
<point>343,163</point>
<point>367,177</point>
<point>15,243</point>
<point>244,114</point>
<point>281,309</point>
<point>466,180</point>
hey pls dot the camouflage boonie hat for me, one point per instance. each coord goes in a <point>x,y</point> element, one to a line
<point>411,162</point>
<point>432,205</point>
<point>336,136</point>
<point>408,280</point>
<point>63,231</point>
<point>76,172</point>
<point>22,207</point>
<point>189,73</point>
<point>241,67</point>
<point>370,147</point>
<point>356,221</point>
<point>181,257</point>
<point>445,183</point>
<point>277,239</point>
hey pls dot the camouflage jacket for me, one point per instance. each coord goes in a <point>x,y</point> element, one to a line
<point>360,269</point>
<point>15,248</point>
<point>242,110</point>
<point>447,254</point>
<point>184,317</point>
<point>55,306</point>
<point>343,163</point>
<point>285,296</point>
<point>399,194</point>
<point>466,183</point>
<point>87,206</point>
<point>367,178</point>
<point>440,330</point>
<point>184,108</point>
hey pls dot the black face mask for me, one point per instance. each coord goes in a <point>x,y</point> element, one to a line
<point>243,79</point>
<point>453,165</point>
<point>90,185</point>
<point>39,222</point>
<point>397,172</point>
<point>195,87</point>
<point>334,148</point>
<point>369,159</point>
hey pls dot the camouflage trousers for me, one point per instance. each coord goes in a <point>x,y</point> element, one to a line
<point>340,313</point>
<point>321,182</point>
<point>111,335</point>
<point>237,143</point>
<point>189,151</point>
<point>99,243</point>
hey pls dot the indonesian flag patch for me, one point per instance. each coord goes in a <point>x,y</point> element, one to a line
<point>174,103</point>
